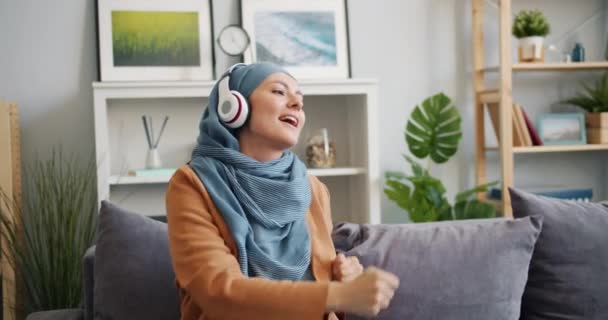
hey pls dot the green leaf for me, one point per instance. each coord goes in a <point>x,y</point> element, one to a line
<point>399,193</point>
<point>474,209</point>
<point>434,129</point>
<point>424,212</point>
<point>530,23</point>
<point>464,195</point>
<point>592,98</point>
<point>417,169</point>
<point>46,238</point>
<point>395,175</point>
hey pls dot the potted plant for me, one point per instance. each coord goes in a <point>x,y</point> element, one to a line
<point>531,27</point>
<point>45,238</point>
<point>594,100</point>
<point>433,131</point>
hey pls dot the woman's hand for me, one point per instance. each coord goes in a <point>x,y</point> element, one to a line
<point>366,295</point>
<point>346,268</point>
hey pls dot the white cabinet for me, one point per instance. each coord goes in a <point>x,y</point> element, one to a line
<point>347,108</point>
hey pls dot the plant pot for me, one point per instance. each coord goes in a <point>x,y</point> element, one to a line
<point>531,49</point>
<point>597,127</point>
<point>597,135</point>
<point>596,119</point>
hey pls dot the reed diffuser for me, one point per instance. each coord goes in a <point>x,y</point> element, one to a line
<point>153,160</point>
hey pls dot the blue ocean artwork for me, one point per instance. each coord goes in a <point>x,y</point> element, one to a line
<point>296,38</point>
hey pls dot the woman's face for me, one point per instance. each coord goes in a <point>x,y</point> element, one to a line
<point>276,116</point>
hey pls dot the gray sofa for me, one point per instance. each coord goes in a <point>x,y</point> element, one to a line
<point>550,263</point>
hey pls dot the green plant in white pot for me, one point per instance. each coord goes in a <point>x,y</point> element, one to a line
<point>433,132</point>
<point>531,27</point>
<point>594,100</point>
<point>45,239</point>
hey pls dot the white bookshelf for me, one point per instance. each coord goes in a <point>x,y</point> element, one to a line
<point>348,108</point>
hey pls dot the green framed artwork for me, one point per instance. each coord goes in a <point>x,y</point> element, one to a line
<point>155,40</point>
<point>562,128</point>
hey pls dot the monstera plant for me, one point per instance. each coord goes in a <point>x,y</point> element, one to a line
<point>433,132</point>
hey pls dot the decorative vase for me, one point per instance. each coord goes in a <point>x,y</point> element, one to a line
<point>531,49</point>
<point>153,159</point>
<point>578,53</point>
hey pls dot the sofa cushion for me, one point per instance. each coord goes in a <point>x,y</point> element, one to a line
<point>134,277</point>
<point>457,270</point>
<point>568,276</point>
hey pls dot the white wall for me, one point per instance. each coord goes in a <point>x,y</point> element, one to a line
<point>47,63</point>
<point>414,47</point>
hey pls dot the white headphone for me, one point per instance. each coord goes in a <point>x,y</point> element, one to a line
<point>232,107</point>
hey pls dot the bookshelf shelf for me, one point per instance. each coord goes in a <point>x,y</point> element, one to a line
<point>333,172</point>
<point>164,178</point>
<point>568,148</point>
<point>572,66</point>
<point>549,149</point>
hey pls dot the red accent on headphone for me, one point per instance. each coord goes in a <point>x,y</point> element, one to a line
<point>238,113</point>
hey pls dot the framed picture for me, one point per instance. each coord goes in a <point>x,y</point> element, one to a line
<point>562,128</point>
<point>308,38</point>
<point>141,40</point>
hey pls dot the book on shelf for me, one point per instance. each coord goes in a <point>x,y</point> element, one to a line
<point>565,193</point>
<point>152,172</point>
<point>521,123</point>
<point>524,132</point>
<point>532,129</point>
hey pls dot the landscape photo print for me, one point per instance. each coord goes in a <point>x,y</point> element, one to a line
<point>308,38</point>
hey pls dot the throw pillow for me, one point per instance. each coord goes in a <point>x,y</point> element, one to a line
<point>457,270</point>
<point>134,277</point>
<point>568,276</point>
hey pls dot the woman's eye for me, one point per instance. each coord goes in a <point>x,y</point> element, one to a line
<point>281,92</point>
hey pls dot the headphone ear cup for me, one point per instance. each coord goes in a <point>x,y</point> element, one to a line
<point>241,116</point>
<point>233,109</point>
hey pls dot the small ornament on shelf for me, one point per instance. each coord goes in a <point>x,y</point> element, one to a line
<point>578,53</point>
<point>153,160</point>
<point>320,151</point>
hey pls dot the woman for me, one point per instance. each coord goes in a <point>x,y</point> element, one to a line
<point>249,230</point>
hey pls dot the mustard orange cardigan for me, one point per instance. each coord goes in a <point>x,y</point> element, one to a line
<point>210,281</point>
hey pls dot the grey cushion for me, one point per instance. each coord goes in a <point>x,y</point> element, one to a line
<point>569,270</point>
<point>458,270</point>
<point>134,278</point>
<point>61,314</point>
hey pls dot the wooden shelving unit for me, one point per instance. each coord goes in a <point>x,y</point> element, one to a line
<point>573,66</point>
<point>503,97</point>
<point>11,184</point>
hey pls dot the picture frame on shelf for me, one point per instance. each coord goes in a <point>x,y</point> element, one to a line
<point>155,40</point>
<point>562,128</point>
<point>308,38</point>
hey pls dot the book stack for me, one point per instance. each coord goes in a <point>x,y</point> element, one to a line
<point>524,131</point>
<point>564,193</point>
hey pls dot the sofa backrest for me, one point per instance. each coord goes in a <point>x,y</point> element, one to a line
<point>133,275</point>
<point>88,283</point>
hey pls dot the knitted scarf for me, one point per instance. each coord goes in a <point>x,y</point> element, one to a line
<point>264,204</point>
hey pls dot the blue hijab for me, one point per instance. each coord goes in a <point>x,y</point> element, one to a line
<point>264,204</point>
